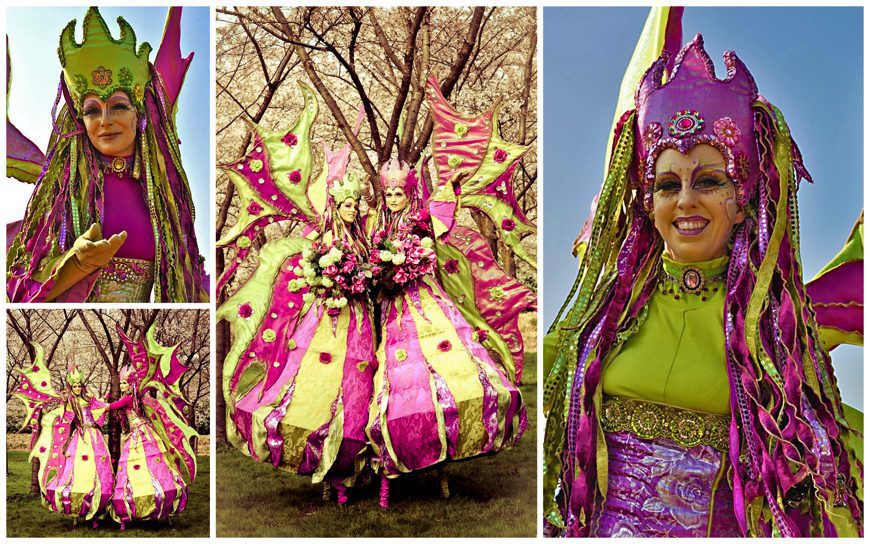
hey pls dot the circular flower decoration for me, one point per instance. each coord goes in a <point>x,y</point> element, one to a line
<point>291,345</point>
<point>268,336</point>
<point>243,242</point>
<point>481,334</point>
<point>43,384</point>
<point>451,266</point>
<point>135,467</point>
<point>325,357</point>
<point>454,161</point>
<point>254,208</point>
<point>727,131</point>
<point>508,225</point>
<point>460,130</point>
<point>499,155</point>
<point>685,123</point>
<point>652,134</point>
<point>245,311</point>
<point>256,165</point>
<point>295,176</point>
<point>138,93</point>
<point>42,449</point>
<point>401,355</point>
<point>445,345</point>
<point>290,139</point>
<point>35,368</point>
<point>84,457</point>
<point>362,365</point>
<point>101,77</point>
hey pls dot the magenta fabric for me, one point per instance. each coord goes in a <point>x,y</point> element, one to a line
<point>127,210</point>
<point>657,488</point>
<point>169,63</point>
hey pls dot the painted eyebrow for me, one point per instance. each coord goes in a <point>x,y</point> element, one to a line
<point>694,171</point>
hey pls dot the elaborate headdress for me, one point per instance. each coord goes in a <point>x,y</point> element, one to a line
<point>129,374</point>
<point>68,196</point>
<point>790,462</point>
<point>101,65</point>
<point>694,107</point>
<point>395,173</point>
<point>75,376</point>
<point>347,187</point>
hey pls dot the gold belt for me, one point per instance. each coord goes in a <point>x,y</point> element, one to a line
<point>125,280</point>
<point>649,420</point>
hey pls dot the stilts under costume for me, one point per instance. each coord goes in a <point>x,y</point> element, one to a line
<point>157,463</point>
<point>642,438</point>
<point>147,195</point>
<point>450,354</point>
<point>298,376</point>
<point>75,468</point>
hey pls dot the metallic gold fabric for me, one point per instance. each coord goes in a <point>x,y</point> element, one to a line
<point>125,280</point>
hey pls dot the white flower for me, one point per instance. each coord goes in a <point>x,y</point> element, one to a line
<point>326,282</point>
<point>324,261</point>
<point>426,242</point>
<point>309,271</point>
<point>336,253</point>
<point>308,297</point>
<point>341,303</point>
<point>368,274</point>
<point>293,285</point>
<point>329,303</point>
<point>297,270</point>
<point>386,256</point>
<point>398,258</point>
<point>307,253</point>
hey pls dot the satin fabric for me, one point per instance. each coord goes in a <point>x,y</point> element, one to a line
<point>147,485</point>
<point>438,393</point>
<point>657,488</point>
<point>311,419</point>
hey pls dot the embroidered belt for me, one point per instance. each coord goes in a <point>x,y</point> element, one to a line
<point>125,280</point>
<point>649,420</point>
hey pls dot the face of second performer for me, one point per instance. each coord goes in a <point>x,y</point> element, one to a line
<point>694,203</point>
<point>77,389</point>
<point>396,199</point>
<point>124,385</point>
<point>111,125</point>
<point>347,210</point>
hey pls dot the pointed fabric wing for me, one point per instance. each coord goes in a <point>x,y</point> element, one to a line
<point>473,144</point>
<point>35,390</point>
<point>23,157</point>
<point>837,293</point>
<point>489,299</point>
<point>272,183</point>
<point>160,372</point>
<point>169,63</point>
<point>263,315</point>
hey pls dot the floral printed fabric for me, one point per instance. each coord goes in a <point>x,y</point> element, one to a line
<point>657,488</point>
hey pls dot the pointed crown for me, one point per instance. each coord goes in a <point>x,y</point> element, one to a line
<point>396,173</point>
<point>347,187</point>
<point>129,374</point>
<point>101,65</point>
<point>75,376</point>
<point>693,107</point>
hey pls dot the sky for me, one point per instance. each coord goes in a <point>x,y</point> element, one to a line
<point>806,61</point>
<point>33,35</point>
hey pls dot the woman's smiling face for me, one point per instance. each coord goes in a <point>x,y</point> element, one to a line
<point>111,125</point>
<point>694,203</point>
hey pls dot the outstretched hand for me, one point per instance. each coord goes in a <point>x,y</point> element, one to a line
<point>92,251</point>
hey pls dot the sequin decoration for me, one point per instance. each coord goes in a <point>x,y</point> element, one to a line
<point>125,280</point>
<point>685,123</point>
<point>741,165</point>
<point>727,131</point>
<point>125,76</point>
<point>652,135</point>
<point>101,77</point>
<point>268,336</point>
<point>499,155</point>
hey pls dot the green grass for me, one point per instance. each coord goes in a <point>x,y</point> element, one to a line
<point>27,517</point>
<point>491,496</point>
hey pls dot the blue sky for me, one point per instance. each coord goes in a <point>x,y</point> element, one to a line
<point>33,37</point>
<point>806,61</point>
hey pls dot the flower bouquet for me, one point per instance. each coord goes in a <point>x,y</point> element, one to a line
<point>404,259</point>
<point>332,273</point>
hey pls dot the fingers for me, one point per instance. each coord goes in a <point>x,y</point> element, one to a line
<point>94,232</point>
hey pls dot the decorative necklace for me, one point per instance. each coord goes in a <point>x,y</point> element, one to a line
<point>692,280</point>
<point>117,166</point>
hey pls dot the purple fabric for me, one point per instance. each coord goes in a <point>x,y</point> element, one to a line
<point>127,210</point>
<point>169,63</point>
<point>657,488</point>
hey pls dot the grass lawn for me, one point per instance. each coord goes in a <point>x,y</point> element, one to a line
<point>490,497</point>
<point>27,517</point>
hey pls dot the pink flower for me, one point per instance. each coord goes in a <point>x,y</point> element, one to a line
<point>481,335</point>
<point>84,457</point>
<point>245,311</point>
<point>500,155</point>
<point>295,176</point>
<point>508,225</point>
<point>254,208</point>
<point>331,270</point>
<point>741,165</point>
<point>727,131</point>
<point>35,368</point>
<point>43,384</point>
<point>42,449</point>
<point>325,357</point>
<point>451,266</point>
<point>135,467</point>
<point>290,139</point>
<point>445,345</point>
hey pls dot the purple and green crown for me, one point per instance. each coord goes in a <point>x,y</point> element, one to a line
<point>101,65</point>
<point>695,107</point>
